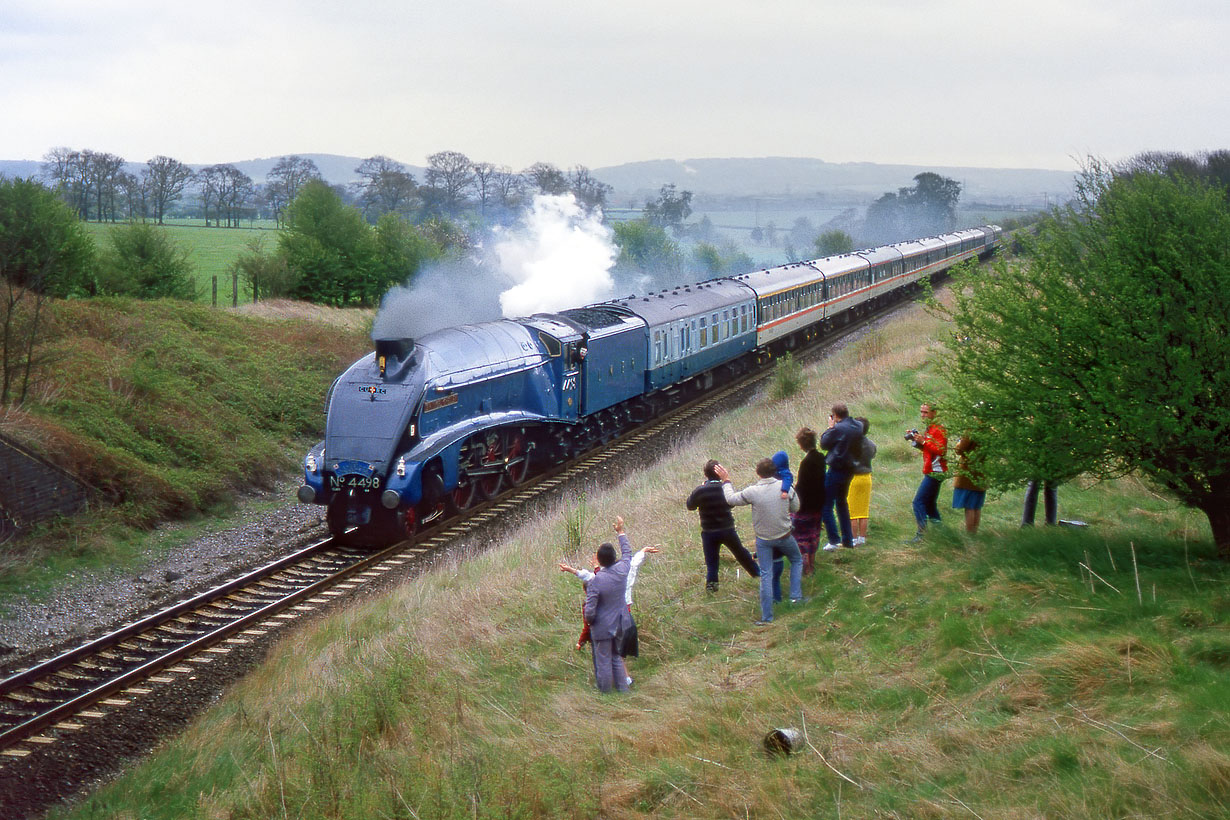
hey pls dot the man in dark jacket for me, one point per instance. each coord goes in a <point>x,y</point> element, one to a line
<point>717,527</point>
<point>606,612</point>
<point>840,442</point>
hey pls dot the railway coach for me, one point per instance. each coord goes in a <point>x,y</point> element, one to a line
<point>424,428</point>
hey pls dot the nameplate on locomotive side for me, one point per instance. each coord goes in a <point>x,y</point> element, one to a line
<point>443,401</point>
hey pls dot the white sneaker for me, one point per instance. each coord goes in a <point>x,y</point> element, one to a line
<point>831,547</point>
<point>858,542</point>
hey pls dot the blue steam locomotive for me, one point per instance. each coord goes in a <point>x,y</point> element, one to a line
<point>424,428</point>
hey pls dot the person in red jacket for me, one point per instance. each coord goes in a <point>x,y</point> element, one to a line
<point>934,446</point>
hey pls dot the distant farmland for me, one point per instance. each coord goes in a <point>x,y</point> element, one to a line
<point>211,250</point>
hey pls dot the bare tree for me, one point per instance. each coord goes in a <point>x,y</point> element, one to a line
<point>385,187</point>
<point>284,181</point>
<point>590,193</point>
<point>134,191</point>
<point>546,178</point>
<point>64,169</point>
<point>235,194</point>
<point>484,184</point>
<point>211,180</point>
<point>450,177</point>
<point>102,173</point>
<point>509,187</point>
<point>165,180</point>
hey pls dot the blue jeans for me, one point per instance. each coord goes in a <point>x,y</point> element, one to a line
<point>836,488</point>
<point>764,554</point>
<point>926,506</point>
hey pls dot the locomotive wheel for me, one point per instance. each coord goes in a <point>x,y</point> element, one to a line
<point>335,519</point>
<point>517,462</point>
<point>433,506</point>
<point>491,481</point>
<point>465,494</point>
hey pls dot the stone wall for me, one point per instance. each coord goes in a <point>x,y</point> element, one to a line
<point>32,490</point>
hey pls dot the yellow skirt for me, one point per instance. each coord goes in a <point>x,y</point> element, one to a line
<point>859,496</point>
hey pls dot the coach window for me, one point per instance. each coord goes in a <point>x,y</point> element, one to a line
<point>704,333</point>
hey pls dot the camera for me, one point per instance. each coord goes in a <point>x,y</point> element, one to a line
<point>910,435</point>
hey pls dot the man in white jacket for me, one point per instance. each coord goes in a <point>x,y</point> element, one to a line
<point>771,523</point>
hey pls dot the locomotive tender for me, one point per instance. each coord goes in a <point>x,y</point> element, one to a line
<point>423,428</point>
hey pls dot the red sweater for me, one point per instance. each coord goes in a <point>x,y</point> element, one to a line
<point>934,444</point>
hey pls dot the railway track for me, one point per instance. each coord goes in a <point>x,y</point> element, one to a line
<point>142,667</point>
<point>85,685</point>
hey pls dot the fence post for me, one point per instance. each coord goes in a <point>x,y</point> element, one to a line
<point>215,290</point>
<point>235,289</point>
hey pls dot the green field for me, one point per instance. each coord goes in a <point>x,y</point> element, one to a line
<point>211,250</point>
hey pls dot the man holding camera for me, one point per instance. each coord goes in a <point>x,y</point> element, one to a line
<point>934,446</point>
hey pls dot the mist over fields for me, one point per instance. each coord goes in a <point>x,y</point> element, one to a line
<point>778,178</point>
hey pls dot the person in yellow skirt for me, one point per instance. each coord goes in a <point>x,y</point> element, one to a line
<point>859,497</point>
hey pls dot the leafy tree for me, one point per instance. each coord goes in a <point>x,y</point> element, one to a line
<point>44,251</point>
<point>645,248</point>
<point>145,263</point>
<point>1104,349</point>
<point>330,248</point>
<point>670,209</point>
<point>834,243</point>
<point>929,208</point>
<point>266,274</point>
<point>165,180</point>
<point>726,260</point>
<point>401,250</point>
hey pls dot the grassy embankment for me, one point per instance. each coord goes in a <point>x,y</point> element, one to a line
<point>210,250</point>
<point>983,677</point>
<point>171,410</point>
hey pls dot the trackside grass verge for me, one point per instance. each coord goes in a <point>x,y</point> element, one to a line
<point>1052,672</point>
<point>169,410</point>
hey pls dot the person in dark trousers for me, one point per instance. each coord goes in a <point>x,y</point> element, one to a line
<point>840,443</point>
<point>717,527</point>
<point>807,521</point>
<point>606,612</point>
<point>934,446</point>
<point>1050,502</point>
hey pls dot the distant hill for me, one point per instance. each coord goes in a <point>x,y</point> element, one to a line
<point>804,177</point>
<point>782,177</point>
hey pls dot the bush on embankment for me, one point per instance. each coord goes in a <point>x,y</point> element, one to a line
<point>169,408</point>
<point>989,676</point>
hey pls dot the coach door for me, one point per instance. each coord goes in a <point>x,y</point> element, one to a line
<point>570,382</point>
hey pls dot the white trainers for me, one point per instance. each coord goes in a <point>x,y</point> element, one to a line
<point>831,547</point>
<point>858,542</point>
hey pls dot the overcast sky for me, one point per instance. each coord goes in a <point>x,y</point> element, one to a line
<point>1037,84</point>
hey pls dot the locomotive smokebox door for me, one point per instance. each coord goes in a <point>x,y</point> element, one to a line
<point>391,353</point>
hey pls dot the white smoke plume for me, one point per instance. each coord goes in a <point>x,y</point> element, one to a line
<point>560,257</point>
<point>557,257</point>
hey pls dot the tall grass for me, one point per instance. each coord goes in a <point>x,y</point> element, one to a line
<point>961,677</point>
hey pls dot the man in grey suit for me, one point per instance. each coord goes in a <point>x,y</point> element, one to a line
<point>606,611</point>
